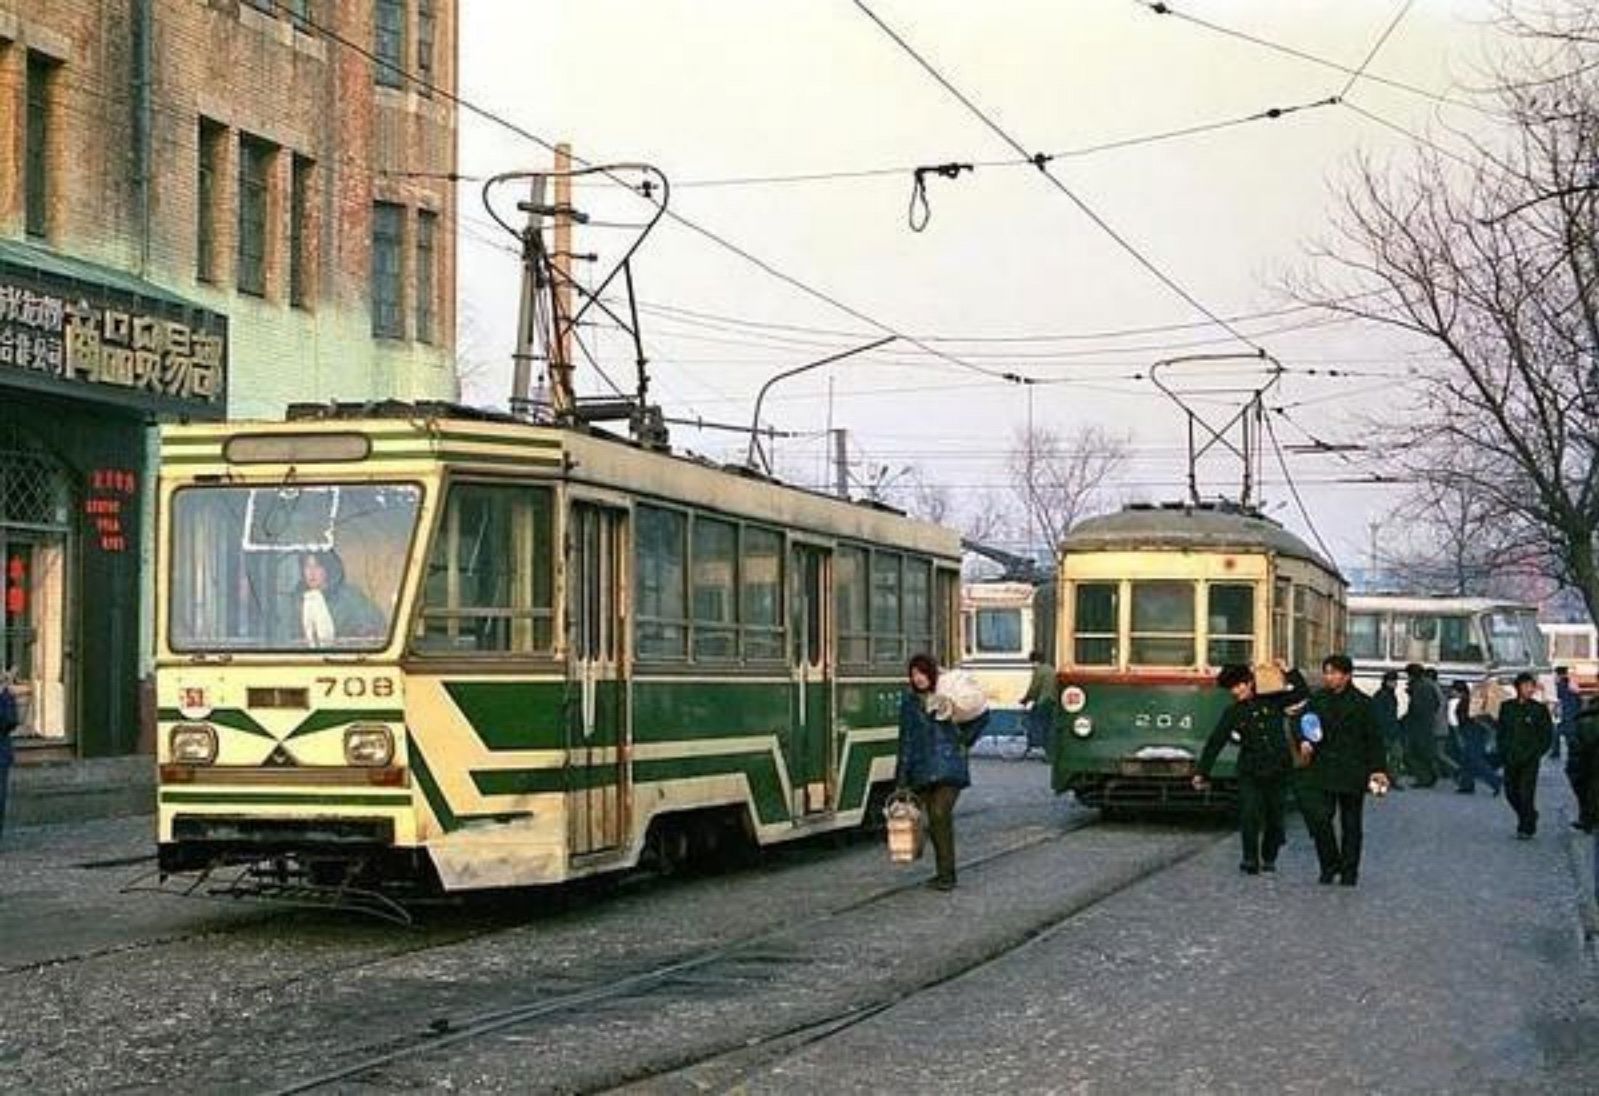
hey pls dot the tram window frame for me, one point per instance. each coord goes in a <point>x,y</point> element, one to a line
<point>888,639</point>
<point>1140,655</point>
<point>714,626</point>
<point>1098,636</point>
<point>1312,624</point>
<point>852,603</point>
<point>1228,632</point>
<point>661,635</point>
<point>522,625</point>
<point>760,604</point>
<point>1282,633</point>
<point>985,618</point>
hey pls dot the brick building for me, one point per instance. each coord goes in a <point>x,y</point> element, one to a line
<point>208,208</point>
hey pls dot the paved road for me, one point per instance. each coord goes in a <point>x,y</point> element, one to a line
<point>1455,967</point>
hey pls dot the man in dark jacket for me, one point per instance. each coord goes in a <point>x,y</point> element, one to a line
<point>1582,765</point>
<point>1346,761</point>
<point>1256,723</point>
<point>10,719</point>
<point>1525,731</point>
<point>1422,713</point>
<point>1385,710</point>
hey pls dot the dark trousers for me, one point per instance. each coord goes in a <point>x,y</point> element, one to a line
<point>1582,770</point>
<point>1420,757</point>
<point>1338,850</point>
<point>5,783</point>
<point>938,800</point>
<point>1474,764</point>
<point>1521,790</point>
<point>1260,817</point>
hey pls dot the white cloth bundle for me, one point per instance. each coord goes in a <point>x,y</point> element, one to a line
<point>958,697</point>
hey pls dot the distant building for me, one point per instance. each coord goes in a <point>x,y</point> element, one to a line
<point>208,208</point>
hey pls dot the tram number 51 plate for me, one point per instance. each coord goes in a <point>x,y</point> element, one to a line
<point>355,687</point>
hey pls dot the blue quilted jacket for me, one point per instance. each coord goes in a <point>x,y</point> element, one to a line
<point>933,751</point>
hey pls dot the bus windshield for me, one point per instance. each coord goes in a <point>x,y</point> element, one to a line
<point>1509,641</point>
<point>288,567</point>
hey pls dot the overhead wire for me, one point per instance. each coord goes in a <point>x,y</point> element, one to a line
<point>1293,489</point>
<point>1043,168</point>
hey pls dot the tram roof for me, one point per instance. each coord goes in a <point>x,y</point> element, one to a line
<point>1205,527</point>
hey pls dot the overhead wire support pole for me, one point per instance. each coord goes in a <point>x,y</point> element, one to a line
<point>755,422</point>
<point>528,305</point>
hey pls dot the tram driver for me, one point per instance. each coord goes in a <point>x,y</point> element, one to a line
<point>328,609</point>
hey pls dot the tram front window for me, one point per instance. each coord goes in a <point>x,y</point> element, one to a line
<point>999,632</point>
<point>288,568</point>
<point>1163,624</point>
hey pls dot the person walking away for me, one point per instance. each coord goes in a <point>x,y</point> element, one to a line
<point>1346,761</point>
<point>1041,701</point>
<point>1385,709</point>
<point>1525,728</point>
<point>932,761</point>
<point>10,720</point>
<point>1419,717</point>
<point>1265,759</point>
<point>1568,702</point>
<point>1582,766</point>
<point>1472,733</point>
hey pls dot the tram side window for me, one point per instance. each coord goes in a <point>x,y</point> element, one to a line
<point>715,559</point>
<point>919,605</point>
<point>1281,620</point>
<point>1366,636</point>
<point>888,640</point>
<point>851,597</point>
<point>1096,620</point>
<point>762,584</point>
<point>662,581</point>
<point>1312,626</point>
<point>1231,625</point>
<point>490,584</point>
<point>1163,624</point>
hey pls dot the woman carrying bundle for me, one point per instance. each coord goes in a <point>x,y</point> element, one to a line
<point>932,759</point>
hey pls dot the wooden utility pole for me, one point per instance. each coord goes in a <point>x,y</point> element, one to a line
<point>841,463</point>
<point>563,394</point>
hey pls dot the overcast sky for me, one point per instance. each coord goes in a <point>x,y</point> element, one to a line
<point>712,90</point>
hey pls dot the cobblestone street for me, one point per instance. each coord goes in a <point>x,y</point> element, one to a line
<point>1077,956</point>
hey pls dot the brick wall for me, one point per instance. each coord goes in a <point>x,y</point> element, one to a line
<point>257,76</point>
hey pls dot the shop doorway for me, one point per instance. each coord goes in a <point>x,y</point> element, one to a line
<point>35,587</point>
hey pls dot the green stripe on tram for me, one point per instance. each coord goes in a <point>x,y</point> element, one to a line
<point>672,711</point>
<point>513,715</point>
<point>234,719</point>
<point>760,769</point>
<point>857,770</point>
<point>436,801</point>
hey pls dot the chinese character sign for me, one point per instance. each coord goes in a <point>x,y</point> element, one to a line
<point>155,354</point>
<point>110,490</point>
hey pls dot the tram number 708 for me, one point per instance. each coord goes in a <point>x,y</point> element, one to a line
<point>1163,722</point>
<point>355,686</point>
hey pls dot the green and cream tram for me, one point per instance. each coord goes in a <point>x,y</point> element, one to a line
<point>1153,602</point>
<point>448,647</point>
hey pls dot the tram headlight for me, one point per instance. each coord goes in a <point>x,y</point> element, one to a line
<point>368,744</point>
<point>193,744</point>
<point>1082,726</point>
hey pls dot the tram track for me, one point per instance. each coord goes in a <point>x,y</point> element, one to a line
<point>739,963</point>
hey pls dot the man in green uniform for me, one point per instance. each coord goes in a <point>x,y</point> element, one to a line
<point>1525,732</point>
<point>1347,759</point>
<point>1040,700</point>
<point>1265,759</point>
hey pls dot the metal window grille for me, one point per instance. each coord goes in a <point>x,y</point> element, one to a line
<point>255,159</point>
<point>388,275</point>
<point>388,43</point>
<point>34,492</point>
<point>426,233</point>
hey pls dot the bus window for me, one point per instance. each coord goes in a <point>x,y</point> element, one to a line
<point>1163,624</point>
<point>1366,636</point>
<point>999,632</point>
<point>1232,625</point>
<point>1507,642</point>
<point>1457,642</point>
<point>1096,620</point>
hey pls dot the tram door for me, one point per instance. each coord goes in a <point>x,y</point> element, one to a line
<point>597,724</point>
<point>809,757</point>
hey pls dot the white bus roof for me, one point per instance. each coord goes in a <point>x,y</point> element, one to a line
<point>1417,603</point>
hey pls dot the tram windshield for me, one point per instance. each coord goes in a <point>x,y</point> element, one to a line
<point>288,567</point>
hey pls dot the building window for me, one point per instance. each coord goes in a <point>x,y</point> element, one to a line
<point>427,225</point>
<point>255,177</point>
<point>300,14</point>
<point>388,274</point>
<point>209,159</point>
<point>388,41</point>
<point>426,32</point>
<point>36,155</point>
<point>300,235</point>
<point>490,583</point>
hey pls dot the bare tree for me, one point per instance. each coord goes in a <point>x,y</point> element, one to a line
<point>1451,542</point>
<point>1491,255</point>
<point>1061,479</point>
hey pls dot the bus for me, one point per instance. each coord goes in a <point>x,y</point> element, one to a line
<point>1575,646</point>
<point>1002,624</point>
<point>1464,638</point>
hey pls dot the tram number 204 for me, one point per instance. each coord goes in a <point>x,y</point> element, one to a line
<point>1165,721</point>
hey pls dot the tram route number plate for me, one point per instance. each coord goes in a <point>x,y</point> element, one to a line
<point>354,687</point>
